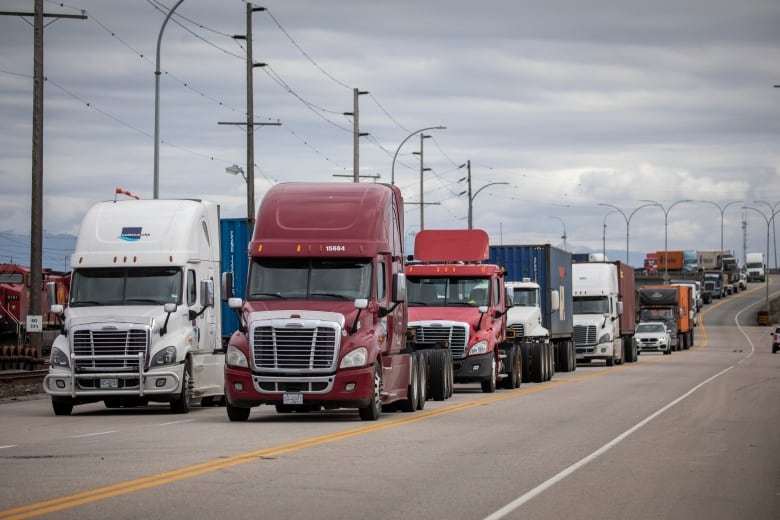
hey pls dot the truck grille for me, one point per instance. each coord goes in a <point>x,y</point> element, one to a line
<point>455,336</point>
<point>519,330</point>
<point>129,342</point>
<point>585,335</point>
<point>295,348</point>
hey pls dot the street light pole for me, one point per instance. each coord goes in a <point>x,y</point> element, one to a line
<point>772,208</point>
<point>768,220</point>
<point>666,231</point>
<point>157,106</point>
<point>468,192</point>
<point>627,219</point>
<point>722,210</point>
<point>395,156</point>
<point>423,137</point>
<point>564,231</point>
<point>604,235</point>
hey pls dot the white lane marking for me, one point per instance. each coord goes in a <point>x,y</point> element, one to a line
<point>175,422</point>
<point>92,434</point>
<point>8,446</point>
<point>544,486</point>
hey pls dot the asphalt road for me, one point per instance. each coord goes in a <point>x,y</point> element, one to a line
<point>692,435</point>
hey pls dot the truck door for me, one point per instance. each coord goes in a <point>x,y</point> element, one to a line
<point>395,322</point>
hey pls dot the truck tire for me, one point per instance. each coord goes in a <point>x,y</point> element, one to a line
<point>374,408</point>
<point>525,363</point>
<point>236,414</point>
<point>450,375</point>
<point>422,376</point>
<point>537,362</point>
<point>550,361</point>
<point>409,404</point>
<point>182,402</point>
<point>438,374</point>
<point>489,385</point>
<point>512,380</point>
<point>62,405</point>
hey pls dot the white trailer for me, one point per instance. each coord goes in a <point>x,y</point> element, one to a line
<point>141,324</point>
<point>754,262</point>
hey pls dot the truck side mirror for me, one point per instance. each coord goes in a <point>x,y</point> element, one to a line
<point>555,300</point>
<point>399,287</point>
<point>620,308</point>
<point>508,297</point>
<point>51,294</point>
<point>227,285</point>
<point>207,293</point>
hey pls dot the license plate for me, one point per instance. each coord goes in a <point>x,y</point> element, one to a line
<point>580,356</point>
<point>109,384</point>
<point>292,399</point>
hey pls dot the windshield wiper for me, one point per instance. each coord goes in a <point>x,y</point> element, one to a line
<point>85,303</point>
<point>143,300</point>
<point>331,295</point>
<point>274,295</point>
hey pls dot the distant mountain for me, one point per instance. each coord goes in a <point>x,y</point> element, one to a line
<point>56,250</point>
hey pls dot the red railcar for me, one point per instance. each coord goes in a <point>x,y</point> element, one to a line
<point>15,297</point>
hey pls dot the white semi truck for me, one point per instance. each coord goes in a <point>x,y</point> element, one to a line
<point>754,262</point>
<point>604,318</point>
<point>141,323</point>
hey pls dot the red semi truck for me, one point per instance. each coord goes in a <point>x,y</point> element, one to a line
<point>457,311</point>
<point>324,317</point>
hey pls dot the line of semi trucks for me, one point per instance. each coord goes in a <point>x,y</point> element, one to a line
<point>317,307</point>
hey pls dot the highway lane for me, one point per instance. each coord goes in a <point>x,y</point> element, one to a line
<point>473,456</point>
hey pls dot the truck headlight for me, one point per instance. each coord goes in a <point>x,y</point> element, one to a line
<point>59,358</point>
<point>166,356</point>
<point>356,358</point>
<point>480,347</point>
<point>235,358</point>
<point>605,338</point>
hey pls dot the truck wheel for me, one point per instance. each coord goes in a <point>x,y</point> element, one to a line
<point>489,385</point>
<point>525,362</point>
<point>438,374</point>
<point>572,355</point>
<point>236,414</point>
<point>563,363</point>
<point>537,362</point>
<point>413,390</point>
<point>374,409</point>
<point>62,406</point>
<point>181,403</point>
<point>512,380</point>
<point>450,375</point>
<point>610,361</point>
<point>422,383</point>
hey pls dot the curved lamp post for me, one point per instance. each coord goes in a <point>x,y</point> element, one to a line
<point>157,106</point>
<point>472,197</point>
<point>769,220</point>
<point>564,236</point>
<point>395,156</point>
<point>722,210</point>
<point>627,219</point>
<point>772,207</point>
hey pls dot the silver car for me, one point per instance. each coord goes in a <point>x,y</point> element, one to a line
<point>652,336</point>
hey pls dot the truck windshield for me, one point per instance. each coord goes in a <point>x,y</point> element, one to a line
<point>443,292</point>
<point>522,297</point>
<point>310,278</point>
<point>126,286</point>
<point>656,315</point>
<point>596,305</point>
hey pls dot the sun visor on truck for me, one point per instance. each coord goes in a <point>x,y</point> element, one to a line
<point>451,245</point>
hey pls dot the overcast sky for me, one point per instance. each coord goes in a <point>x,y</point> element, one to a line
<point>573,103</point>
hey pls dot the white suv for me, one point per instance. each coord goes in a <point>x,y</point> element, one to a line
<point>652,336</point>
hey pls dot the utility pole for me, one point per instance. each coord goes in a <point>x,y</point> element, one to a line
<point>423,137</point>
<point>250,123</point>
<point>356,135</point>
<point>36,209</point>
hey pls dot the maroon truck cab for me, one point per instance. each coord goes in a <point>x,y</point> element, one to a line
<point>323,322</point>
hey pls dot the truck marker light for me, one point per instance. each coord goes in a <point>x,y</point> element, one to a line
<point>260,248</point>
<point>114,259</point>
<point>298,248</point>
